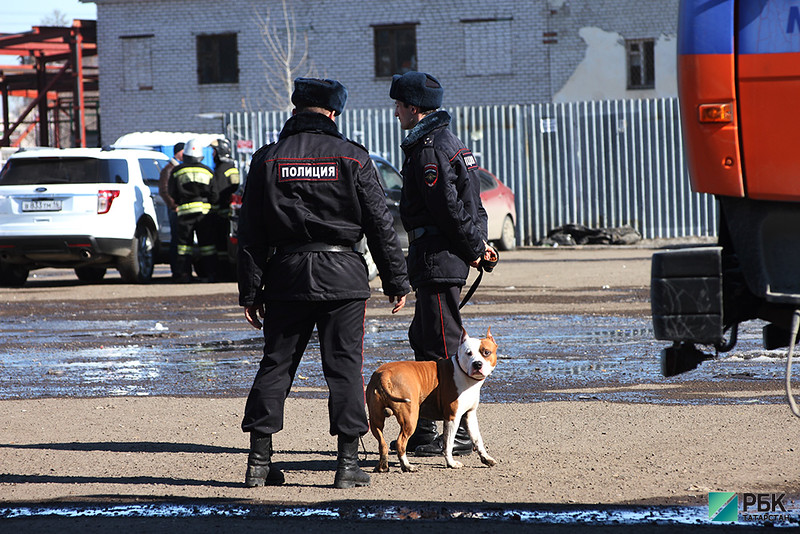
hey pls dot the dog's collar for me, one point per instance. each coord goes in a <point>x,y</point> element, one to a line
<point>458,364</point>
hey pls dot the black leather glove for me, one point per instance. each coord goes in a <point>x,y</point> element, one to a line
<point>488,264</point>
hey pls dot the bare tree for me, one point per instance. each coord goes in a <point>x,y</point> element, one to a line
<point>285,55</point>
<point>56,18</point>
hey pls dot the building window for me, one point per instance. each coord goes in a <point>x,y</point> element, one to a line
<point>487,46</point>
<point>641,64</point>
<point>395,49</point>
<point>137,58</point>
<point>217,59</point>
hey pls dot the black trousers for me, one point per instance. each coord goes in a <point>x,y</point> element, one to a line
<point>288,326</point>
<point>435,331</point>
<point>220,229</point>
<point>186,226</point>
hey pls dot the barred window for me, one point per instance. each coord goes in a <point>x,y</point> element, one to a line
<point>217,59</point>
<point>395,49</point>
<point>641,63</point>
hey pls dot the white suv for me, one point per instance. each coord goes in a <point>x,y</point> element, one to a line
<point>82,208</point>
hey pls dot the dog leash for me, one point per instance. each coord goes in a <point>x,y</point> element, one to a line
<point>472,289</point>
<point>484,265</point>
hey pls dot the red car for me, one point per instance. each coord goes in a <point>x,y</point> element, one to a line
<point>498,201</point>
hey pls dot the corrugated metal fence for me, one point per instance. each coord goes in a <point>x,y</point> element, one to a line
<point>599,164</point>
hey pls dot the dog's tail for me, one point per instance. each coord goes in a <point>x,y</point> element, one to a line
<point>386,386</point>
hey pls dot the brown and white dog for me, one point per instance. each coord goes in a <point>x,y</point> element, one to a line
<point>441,390</point>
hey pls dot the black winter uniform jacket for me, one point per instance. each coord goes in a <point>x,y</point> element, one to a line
<point>314,186</point>
<point>440,190</point>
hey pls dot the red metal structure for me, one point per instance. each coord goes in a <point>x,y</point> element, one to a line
<point>53,73</point>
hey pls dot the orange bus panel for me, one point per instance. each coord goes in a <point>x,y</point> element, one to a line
<point>769,120</point>
<point>712,149</point>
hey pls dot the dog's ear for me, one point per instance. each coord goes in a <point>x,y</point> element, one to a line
<point>489,333</point>
<point>464,335</point>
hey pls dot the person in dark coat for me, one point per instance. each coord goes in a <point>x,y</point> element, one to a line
<point>447,228</point>
<point>309,199</point>
<point>226,182</point>
<point>172,207</point>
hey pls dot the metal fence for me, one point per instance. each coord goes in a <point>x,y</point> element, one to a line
<point>599,164</point>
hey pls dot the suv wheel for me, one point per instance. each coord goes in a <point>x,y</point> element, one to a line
<point>12,275</point>
<point>90,274</point>
<point>137,267</point>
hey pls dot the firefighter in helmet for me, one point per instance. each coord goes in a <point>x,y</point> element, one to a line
<point>191,185</point>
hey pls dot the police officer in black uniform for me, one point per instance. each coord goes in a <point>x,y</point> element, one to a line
<point>309,198</point>
<point>226,182</point>
<point>442,212</point>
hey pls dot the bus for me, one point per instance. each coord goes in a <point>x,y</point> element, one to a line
<point>739,92</point>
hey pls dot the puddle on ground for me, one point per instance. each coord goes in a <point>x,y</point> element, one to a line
<point>541,358</point>
<point>373,515</point>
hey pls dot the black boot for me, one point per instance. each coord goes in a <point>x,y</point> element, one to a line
<point>348,474</point>
<point>424,434</point>
<point>260,470</point>
<point>183,269</point>
<point>462,445</point>
<point>208,264</point>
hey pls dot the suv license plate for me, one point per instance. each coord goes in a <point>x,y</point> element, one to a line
<point>41,205</point>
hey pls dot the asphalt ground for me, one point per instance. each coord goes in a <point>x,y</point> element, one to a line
<point>158,463</point>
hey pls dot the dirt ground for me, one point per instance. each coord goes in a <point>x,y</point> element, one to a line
<point>190,450</point>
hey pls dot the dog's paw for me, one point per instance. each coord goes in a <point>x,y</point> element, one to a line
<point>455,464</point>
<point>410,468</point>
<point>381,468</point>
<point>488,460</point>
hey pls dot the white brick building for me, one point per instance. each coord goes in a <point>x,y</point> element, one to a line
<point>164,62</point>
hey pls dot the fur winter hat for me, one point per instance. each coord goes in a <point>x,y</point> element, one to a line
<point>313,92</point>
<point>417,89</point>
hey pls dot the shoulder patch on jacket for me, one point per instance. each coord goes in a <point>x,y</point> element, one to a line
<point>430,173</point>
<point>469,159</point>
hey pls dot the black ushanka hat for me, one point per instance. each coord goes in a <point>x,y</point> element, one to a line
<point>417,89</point>
<point>314,92</point>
